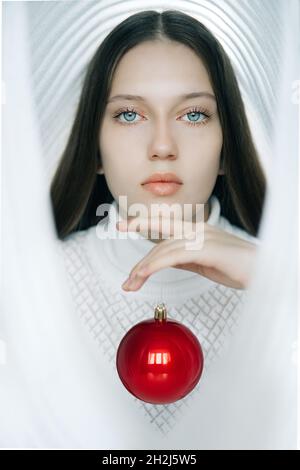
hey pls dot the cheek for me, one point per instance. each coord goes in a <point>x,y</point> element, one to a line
<point>210,142</point>
<point>119,152</point>
<point>207,138</point>
<point>206,151</point>
<point>108,144</point>
<point>113,153</point>
<point>205,161</point>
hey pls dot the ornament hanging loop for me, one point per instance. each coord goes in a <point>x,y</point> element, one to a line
<point>160,312</point>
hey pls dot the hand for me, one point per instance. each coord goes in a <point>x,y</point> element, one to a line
<point>221,256</point>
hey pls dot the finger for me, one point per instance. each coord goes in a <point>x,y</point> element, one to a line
<point>156,226</point>
<point>160,250</point>
<point>164,248</point>
<point>171,258</point>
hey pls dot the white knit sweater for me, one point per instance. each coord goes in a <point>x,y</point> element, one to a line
<point>96,269</point>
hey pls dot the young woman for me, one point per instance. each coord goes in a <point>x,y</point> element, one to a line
<point>159,96</point>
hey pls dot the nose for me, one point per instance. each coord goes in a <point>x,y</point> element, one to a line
<point>163,145</point>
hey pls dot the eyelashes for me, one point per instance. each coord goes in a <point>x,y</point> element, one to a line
<point>196,110</point>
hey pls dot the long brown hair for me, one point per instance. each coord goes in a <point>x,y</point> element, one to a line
<point>77,190</point>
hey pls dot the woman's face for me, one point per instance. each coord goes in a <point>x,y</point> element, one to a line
<point>163,132</point>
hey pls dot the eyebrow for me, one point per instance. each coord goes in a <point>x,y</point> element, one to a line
<point>184,97</point>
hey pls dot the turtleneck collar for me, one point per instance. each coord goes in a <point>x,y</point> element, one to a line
<point>123,250</point>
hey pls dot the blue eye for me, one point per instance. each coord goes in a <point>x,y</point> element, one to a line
<point>131,118</point>
<point>131,114</point>
<point>195,118</point>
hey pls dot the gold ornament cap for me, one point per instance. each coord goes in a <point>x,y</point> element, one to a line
<point>160,312</point>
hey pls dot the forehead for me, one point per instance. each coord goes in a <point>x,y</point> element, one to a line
<point>159,69</point>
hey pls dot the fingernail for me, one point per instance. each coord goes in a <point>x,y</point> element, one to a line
<point>125,283</point>
<point>129,282</point>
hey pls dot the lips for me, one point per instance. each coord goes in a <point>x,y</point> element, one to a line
<point>160,188</point>
<point>162,184</point>
<point>163,178</point>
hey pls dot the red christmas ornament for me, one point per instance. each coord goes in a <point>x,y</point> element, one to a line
<point>159,360</point>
